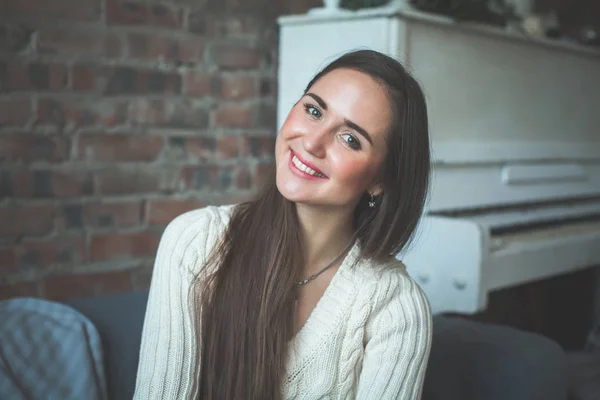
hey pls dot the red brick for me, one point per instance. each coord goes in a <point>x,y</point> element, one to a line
<point>15,76</point>
<point>21,76</point>
<point>80,42</point>
<point>199,177</point>
<point>186,114</point>
<point>236,57</point>
<point>73,113</point>
<point>232,116</point>
<point>191,51</point>
<point>113,46</point>
<point>71,286</point>
<point>14,112</point>
<point>115,181</point>
<point>178,113</point>
<point>128,80</point>
<point>113,246</point>
<point>226,25</point>
<point>266,116</point>
<point>301,6</point>
<point>153,47</point>
<point>238,87</point>
<point>119,147</point>
<point>21,289</point>
<point>147,112</point>
<point>268,88</point>
<point>201,148</point>
<point>42,254</point>
<point>21,183</point>
<point>114,215</point>
<point>197,83</point>
<point>44,183</point>
<point>8,260</point>
<point>243,178</point>
<point>16,39</point>
<point>26,220</point>
<point>70,217</point>
<point>226,179</point>
<point>27,148</point>
<point>84,78</point>
<point>163,211</point>
<point>71,183</point>
<point>120,12</point>
<point>227,147</point>
<point>77,10</point>
<point>259,146</point>
<point>262,174</point>
<point>57,75</point>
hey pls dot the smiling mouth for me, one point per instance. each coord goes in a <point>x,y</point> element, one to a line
<point>305,168</point>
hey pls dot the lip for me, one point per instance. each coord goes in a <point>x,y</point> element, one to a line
<point>301,173</point>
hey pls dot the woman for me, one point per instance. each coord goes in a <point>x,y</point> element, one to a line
<point>300,291</point>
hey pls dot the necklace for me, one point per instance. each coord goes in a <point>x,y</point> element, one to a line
<point>313,276</point>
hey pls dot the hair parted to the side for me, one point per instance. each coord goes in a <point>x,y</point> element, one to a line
<point>247,300</point>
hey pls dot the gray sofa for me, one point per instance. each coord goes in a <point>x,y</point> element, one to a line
<point>468,360</point>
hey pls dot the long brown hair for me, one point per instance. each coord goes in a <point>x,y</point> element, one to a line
<point>247,301</point>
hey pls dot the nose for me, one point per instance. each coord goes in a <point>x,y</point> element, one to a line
<point>315,141</point>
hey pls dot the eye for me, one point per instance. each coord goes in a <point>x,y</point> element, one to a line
<point>351,141</point>
<point>312,111</point>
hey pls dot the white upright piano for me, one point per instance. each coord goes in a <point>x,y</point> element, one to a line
<point>515,132</point>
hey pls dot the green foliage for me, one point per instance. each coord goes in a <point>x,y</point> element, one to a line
<point>496,12</point>
<point>358,4</point>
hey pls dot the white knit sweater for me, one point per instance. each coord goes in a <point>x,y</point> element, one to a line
<point>368,337</point>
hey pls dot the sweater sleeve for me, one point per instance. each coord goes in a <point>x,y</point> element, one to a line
<point>398,341</point>
<point>169,353</point>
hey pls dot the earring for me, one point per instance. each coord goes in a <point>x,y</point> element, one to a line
<point>372,201</point>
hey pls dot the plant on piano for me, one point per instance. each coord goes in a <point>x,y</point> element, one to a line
<point>495,12</point>
<point>358,4</point>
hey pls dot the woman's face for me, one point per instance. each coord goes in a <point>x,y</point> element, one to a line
<point>331,147</point>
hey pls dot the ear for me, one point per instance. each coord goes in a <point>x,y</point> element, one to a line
<point>376,189</point>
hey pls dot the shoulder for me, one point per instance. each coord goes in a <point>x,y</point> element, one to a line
<point>200,220</point>
<point>394,292</point>
<point>191,236</point>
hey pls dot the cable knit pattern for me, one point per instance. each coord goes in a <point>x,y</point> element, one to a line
<point>368,337</point>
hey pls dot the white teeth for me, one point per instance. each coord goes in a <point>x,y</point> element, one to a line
<point>304,168</point>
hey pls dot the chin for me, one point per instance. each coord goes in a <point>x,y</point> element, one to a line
<point>290,195</point>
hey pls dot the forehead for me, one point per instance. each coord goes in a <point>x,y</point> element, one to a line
<point>356,96</point>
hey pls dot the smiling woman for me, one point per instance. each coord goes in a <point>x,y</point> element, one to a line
<point>298,294</point>
<point>328,131</point>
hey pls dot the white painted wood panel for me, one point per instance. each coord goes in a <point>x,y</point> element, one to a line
<point>481,88</point>
<point>470,186</point>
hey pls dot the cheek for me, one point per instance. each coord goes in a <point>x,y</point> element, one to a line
<point>356,176</point>
<point>294,123</point>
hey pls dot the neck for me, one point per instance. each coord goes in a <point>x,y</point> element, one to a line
<point>325,232</point>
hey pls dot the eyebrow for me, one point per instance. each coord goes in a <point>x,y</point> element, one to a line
<point>348,123</point>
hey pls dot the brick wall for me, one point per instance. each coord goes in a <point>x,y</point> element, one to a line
<point>118,115</point>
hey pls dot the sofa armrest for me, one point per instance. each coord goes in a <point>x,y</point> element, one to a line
<point>119,319</point>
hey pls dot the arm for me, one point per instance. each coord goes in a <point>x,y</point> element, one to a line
<point>398,341</point>
<point>170,353</point>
